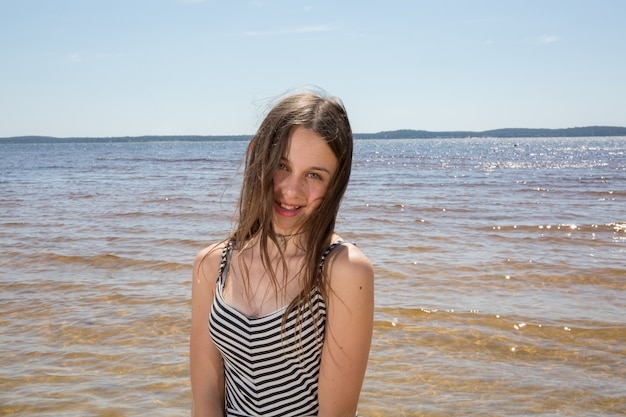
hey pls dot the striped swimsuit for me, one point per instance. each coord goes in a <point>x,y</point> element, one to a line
<point>268,372</point>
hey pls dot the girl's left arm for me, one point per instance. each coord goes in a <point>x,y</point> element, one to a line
<point>349,324</point>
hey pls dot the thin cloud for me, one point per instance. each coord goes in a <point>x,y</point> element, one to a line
<point>291,31</point>
<point>109,56</point>
<point>76,57</point>
<point>545,39</point>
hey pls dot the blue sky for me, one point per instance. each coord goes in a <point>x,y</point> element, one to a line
<point>193,67</point>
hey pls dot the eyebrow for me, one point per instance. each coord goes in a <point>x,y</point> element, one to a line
<point>314,168</point>
<point>323,169</point>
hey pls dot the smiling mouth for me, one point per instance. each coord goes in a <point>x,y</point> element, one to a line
<point>288,207</point>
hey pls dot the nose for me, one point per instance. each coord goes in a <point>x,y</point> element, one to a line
<point>291,185</point>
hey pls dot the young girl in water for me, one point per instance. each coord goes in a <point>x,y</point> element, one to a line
<point>282,310</point>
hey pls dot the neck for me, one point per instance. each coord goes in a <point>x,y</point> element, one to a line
<point>283,240</point>
<point>289,235</point>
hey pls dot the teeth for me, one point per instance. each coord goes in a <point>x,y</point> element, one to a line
<point>289,207</point>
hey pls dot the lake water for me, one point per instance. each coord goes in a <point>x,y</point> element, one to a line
<point>500,273</point>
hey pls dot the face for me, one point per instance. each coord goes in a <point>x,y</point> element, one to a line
<point>300,184</point>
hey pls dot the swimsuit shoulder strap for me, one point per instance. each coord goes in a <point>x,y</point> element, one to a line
<point>328,251</point>
<point>226,253</point>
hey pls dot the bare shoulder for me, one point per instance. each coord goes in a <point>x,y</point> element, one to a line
<point>350,257</point>
<point>349,265</point>
<point>204,277</point>
<point>207,261</point>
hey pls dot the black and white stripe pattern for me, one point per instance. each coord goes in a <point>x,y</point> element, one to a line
<point>269,371</point>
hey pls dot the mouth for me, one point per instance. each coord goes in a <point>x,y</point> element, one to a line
<point>287,209</point>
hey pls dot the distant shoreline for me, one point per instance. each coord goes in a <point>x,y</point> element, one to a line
<point>590,131</point>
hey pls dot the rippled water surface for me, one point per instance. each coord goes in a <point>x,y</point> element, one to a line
<point>500,273</point>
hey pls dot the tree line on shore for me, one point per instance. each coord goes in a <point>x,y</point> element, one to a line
<point>589,131</point>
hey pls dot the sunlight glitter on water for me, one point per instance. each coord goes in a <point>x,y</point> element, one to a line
<point>500,274</point>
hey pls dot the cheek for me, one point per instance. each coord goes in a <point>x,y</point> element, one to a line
<point>278,179</point>
<point>317,192</point>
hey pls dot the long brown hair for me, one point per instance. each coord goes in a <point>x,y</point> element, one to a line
<point>328,118</point>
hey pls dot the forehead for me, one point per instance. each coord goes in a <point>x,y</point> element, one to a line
<point>308,147</point>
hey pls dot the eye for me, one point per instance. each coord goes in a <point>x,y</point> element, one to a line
<point>282,167</point>
<point>315,176</point>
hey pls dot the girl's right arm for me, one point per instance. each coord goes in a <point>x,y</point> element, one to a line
<point>205,362</point>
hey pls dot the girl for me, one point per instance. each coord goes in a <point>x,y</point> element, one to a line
<point>282,310</point>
